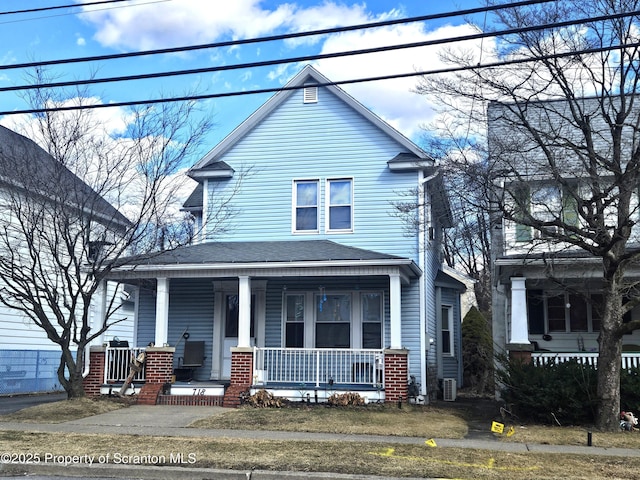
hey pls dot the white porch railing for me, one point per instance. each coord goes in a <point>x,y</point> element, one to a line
<point>629,360</point>
<point>319,366</point>
<point>117,364</point>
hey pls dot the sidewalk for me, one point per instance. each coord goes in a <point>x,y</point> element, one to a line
<point>173,421</point>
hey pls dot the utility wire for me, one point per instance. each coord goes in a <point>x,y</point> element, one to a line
<point>79,5</point>
<point>286,36</point>
<point>326,84</point>
<point>322,56</point>
<point>58,7</point>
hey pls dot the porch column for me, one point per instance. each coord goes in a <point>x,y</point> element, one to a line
<point>519,330</point>
<point>395,305</point>
<point>162,312</point>
<point>244,312</point>
<point>99,311</point>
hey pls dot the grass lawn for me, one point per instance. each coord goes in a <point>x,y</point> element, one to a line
<point>366,458</point>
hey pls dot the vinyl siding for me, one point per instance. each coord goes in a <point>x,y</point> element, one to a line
<point>451,367</point>
<point>318,141</point>
<point>410,318</point>
<point>146,317</point>
<point>191,310</point>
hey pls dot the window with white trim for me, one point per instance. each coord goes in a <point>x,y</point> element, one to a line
<point>338,319</point>
<point>339,205</point>
<point>294,321</point>
<point>371,306</point>
<point>446,330</point>
<point>305,201</point>
<point>565,312</point>
<point>333,320</point>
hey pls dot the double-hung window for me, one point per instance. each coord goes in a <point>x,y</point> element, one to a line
<point>447,330</point>
<point>340,205</point>
<point>294,324</point>
<point>371,304</point>
<point>333,320</point>
<point>306,195</point>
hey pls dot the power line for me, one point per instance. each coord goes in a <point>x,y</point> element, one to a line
<point>285,36</point>
<point>306,58</point>
<point>326,84</point>
<point>73,6</point>
<point>58,7</point>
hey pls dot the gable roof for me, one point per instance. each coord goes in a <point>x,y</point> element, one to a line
<point>26,165</point>
<point>308,75</point>
<point>291,254</point>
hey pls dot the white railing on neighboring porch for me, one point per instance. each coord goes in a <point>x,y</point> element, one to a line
<point>117,364</point>
<point>319,366</point>
<point>629,360</point>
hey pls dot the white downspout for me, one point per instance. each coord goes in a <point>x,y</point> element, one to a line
<point>422,263</point>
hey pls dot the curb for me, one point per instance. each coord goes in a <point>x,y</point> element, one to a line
<point>148,472</point>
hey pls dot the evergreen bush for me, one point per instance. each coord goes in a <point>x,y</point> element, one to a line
<point>477,352</point>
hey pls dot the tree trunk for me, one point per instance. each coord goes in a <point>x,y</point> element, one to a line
<point>609,364</point>
<point>72,383</point>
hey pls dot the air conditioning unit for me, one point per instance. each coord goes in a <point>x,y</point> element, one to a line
<point>449,389</point>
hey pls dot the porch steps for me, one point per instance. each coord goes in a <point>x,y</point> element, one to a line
<point>232,395</point>
<point>149,393</point>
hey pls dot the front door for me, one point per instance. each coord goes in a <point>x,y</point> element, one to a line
<point>230,334</point>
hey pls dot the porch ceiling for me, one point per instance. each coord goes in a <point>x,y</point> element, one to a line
<point>285,258</point>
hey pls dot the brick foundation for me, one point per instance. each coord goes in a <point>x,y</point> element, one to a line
<point>93,381</point>
<point>241,375</point>
<point>396,376</point>
<point>190,400</point>
<point>520,352</point>
<point>159,369</point>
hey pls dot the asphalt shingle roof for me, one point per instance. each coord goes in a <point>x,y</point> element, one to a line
<point>260,252</point>
<point>24,164</point>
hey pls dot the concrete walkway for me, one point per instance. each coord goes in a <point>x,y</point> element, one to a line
<point>173,421</point>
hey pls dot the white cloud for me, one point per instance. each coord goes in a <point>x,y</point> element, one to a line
<point>394,100</point>
<point>187,22</point>
<point>80,41</point>
<point>190,22</point>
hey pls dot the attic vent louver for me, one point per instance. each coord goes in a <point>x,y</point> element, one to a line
<point>310,94</point>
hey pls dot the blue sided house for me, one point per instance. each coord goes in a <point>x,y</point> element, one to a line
<point>305,279</point>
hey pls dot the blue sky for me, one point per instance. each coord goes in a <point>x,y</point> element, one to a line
<point>148,24</point>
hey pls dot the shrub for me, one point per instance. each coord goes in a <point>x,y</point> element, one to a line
<point>630,390</point>
<point>264,399</point>
<point>345,399</point>
<point>563,393</point>
<point>477,352</point>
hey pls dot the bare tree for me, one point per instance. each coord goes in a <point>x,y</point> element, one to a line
<point>82,199</point>
<point>565,156</point>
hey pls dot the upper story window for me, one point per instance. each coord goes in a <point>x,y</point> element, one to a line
<point>545,203</point>
<point>340,205</point>
<point>305,200</point>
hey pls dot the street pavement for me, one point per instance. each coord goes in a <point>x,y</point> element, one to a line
<point>173,421</point>
<point>13,403</point>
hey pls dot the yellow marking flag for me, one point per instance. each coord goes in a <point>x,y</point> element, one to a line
<point>430,443</point>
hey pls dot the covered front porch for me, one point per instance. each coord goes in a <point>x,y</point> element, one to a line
<point>299,328</point>
<point>545,316</point>
<point>306,375</point>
